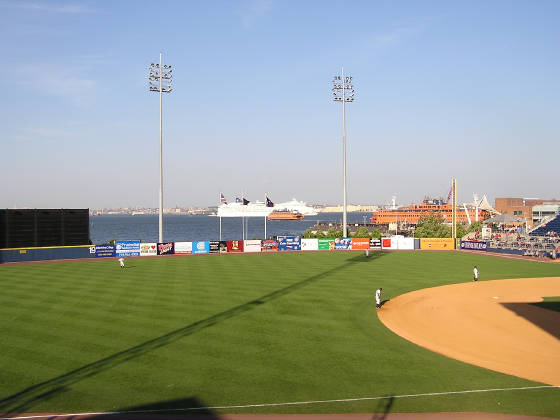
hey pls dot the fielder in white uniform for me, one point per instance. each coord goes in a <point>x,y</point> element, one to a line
<point>378,297</point>
<point>475,272</point>
<point>121,262</point>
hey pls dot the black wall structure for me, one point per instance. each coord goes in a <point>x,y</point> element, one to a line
<point>43,227</point>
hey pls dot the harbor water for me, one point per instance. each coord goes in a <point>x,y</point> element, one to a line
<point>104,228</point>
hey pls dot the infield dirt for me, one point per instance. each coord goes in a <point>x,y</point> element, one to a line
<point>492,324</point>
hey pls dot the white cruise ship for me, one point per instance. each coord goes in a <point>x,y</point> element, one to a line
<point>252,209</point>
<point>299,206</point>
<point>260,209</point>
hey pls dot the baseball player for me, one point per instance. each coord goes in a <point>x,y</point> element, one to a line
<point>475,272</point>
<point>378,297</point>
<point>121,262</point>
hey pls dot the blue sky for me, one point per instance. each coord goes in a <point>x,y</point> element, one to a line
<point>443,89</point>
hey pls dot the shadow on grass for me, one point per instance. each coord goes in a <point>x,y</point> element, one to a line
<point>179,409</point>
<point>545,320</point>
<point>363,258</point>
<point>22,401</point>
<point>383,408</point>
<point>550,305</point>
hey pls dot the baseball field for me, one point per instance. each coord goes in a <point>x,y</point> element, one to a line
<point>271,333</point>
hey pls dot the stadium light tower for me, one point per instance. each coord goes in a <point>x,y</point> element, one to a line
<point>343,91</point>
<point>160,81</point>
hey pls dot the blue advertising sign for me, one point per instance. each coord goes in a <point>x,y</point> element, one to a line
<point>479,246</point>
<point>127,248</point>
<point>105,251</point>
<point>289,243</point>
<point>201,247</point>
<point>342,243</point>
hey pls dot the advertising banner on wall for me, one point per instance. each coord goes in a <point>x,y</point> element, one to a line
<point>127,248</point>
<point>183,248</point>
<point>148,248</point>
<point>234,246</point>
<point>269,245</point>
<point>326,244</point>
<point>252,245</point>
<point>309,244</point>
<point>165,248</point>
<point>105,251</point>
<point>289,243</point>
<point>201,247</point>
<point>405,243</point>
<point>360,243</point>
<point>397,242</point>
<point>342,243</point>
<point>479,246</point>
<point>436,243</point>
<point>218,246</point>
<point>214,247</point>
<point>375,243</point>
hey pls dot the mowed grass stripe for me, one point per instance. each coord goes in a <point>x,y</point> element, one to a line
<point>241,329</point>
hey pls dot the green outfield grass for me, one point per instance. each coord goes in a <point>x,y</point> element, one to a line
<point>238,330</point>
<point>550,303</point>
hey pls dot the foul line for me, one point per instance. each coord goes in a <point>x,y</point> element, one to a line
<point>226,407</point>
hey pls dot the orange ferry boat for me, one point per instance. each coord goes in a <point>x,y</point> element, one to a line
<point>414,212</point>
<point>285,215</point>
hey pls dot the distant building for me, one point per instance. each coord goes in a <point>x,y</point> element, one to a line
<point>466,213</point>
<point>522,207</point>
<point>349,208</point>
<point>542,211</point>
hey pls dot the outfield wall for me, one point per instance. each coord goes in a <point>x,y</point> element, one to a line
<point>485,246</point>
<point>286,243</point>
<point>46,253</point>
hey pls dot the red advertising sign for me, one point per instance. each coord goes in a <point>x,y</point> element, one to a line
<point>234,246</point>
<point>386,242</point>
<point>165,248</point>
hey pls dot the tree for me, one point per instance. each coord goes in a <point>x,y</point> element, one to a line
<point>375,234</point>
<point>309,233</point>
<point>475,226</point>
<point>361,232</point>
<point>432,226</point>
<point>334,232</point>
<point>461,231</point>
<point>320,234</point>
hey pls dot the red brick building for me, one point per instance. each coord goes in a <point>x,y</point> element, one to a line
<point>520,207</point>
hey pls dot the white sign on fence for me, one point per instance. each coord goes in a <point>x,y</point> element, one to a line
<point>252,245</point>
<point>309,244</point>
<point>183,247</point>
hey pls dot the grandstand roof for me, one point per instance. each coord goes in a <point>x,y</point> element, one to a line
<point>504,218</point>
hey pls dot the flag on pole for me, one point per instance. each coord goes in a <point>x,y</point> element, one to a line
<point>223,199</point>
<point>268,202</point>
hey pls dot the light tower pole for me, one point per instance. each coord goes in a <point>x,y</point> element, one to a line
<point>160,81</point>
<point>343,91</point>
